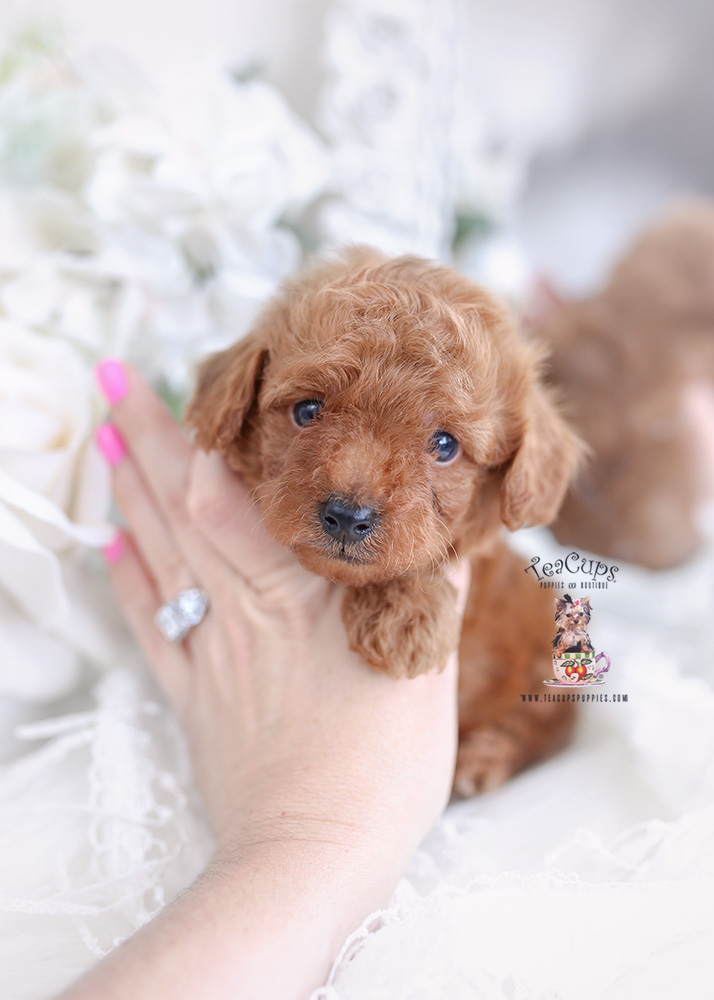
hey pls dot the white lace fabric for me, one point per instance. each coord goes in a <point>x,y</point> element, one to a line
<point>387,110</point>
<point>98,828</point>
<point>589,876</point>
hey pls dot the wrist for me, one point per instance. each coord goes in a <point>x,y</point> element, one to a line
<point>313,890</point>
<point>297,810</point>
<point>264,921</point>
<point>288,833</point>
<point>314,856</point>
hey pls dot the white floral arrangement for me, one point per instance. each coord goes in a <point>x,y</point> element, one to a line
<point>150,225</point>
<point>139,223</point>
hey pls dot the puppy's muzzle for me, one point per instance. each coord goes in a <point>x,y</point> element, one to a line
<point>346,522</point>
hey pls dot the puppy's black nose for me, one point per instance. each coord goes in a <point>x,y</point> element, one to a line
<point>346,522</point>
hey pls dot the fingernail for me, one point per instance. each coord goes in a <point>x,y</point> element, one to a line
<point>111,443</point>
<point>112,380</point>
<point>113,552</point>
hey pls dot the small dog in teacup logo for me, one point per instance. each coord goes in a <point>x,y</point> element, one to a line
<point>574,658</point>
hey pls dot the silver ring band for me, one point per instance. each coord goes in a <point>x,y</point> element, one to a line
<point>176,619</point>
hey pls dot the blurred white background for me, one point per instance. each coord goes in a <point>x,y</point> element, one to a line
<point>608,102</point>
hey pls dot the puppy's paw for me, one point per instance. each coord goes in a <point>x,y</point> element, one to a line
<point>486,758</point>
<point>403,627</point>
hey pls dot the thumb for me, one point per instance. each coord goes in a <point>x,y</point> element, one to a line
<point>225,512</point>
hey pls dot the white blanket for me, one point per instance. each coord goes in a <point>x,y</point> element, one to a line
<point>589,876</point>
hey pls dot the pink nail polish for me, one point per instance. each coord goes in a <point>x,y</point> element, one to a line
<point>113,552</point>
<point>111,443</point>
<point>112,380</point>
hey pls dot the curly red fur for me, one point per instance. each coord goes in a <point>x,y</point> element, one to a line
<point>395,349</point>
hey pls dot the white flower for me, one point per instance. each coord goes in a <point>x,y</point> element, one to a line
<point>168,236</point>
<point>54,486</point>
<point>232,152</point>
<point>188,197</point>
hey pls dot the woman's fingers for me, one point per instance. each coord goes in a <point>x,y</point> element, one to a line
<point>160,552</point>
<point>156,442</point>
<point>162,458</point>
<point>139,601</point>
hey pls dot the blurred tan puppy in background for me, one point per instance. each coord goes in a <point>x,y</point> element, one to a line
<point>635,366</point>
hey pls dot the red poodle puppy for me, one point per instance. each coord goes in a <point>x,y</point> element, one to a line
<point>389,418</point>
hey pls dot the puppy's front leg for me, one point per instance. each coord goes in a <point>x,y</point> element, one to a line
<point>404,626</point>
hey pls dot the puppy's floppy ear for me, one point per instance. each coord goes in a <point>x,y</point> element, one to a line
<point>541,470</point>
<point>226,388</point>
<point>562,603</point>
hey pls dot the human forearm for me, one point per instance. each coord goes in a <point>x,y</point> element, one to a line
<point>265,924</point>
<point>319,776</point>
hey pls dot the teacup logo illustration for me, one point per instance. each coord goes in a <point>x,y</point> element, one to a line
<point>579,668</point>
<point>574,658</point>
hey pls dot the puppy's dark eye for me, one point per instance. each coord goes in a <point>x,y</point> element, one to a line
<point>305,410</point>
<point>443,446</point>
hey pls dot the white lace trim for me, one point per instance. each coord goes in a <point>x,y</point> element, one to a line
<point>126,834</point>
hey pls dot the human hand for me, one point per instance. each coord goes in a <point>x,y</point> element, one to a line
<point>290,733</point>
<point>303,755</point>
<point>319,775</point>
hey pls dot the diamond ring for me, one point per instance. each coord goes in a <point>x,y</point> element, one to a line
<point>176,619</point>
